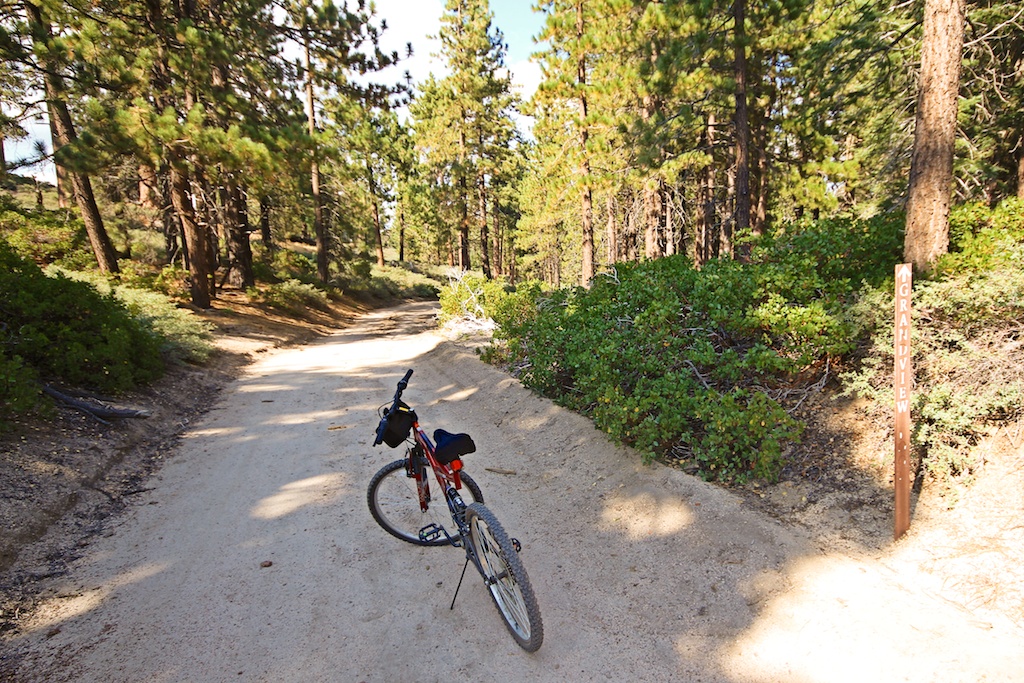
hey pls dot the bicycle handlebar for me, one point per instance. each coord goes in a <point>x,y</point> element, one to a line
<point>402,384</point>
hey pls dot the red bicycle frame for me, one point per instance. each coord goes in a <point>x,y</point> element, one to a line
<point>447,475</point>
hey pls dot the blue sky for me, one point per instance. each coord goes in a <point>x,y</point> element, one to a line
<point>416,20</point>
<point>408,21</point>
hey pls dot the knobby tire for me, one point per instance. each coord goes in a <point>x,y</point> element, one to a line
<point>505,577</point>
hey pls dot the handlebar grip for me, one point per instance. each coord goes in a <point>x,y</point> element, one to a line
<point>404,382</point>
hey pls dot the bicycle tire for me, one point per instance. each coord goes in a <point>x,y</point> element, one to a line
<point>506,577</point>
<point>395,504</point>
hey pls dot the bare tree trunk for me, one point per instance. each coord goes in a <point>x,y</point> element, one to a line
<point>64,134</point>
<point>931,167</point>
<point>706,237</point>
<point>497,252</point>
<point>319,226</point>
<point>195,236</point>
<point>1020,169</point>
<point>62,173</point>
<point>670,235</point>
<point>728,222</point>
<point>742,120</point>
<point>587,201</point>
<point>239,248</point>
<point>485,248</point>
<point>611,235</point>
<point>401,232</point>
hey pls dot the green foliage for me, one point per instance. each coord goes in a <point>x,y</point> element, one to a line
<point>44,236</point>
<point>293,296</point>
<point>387,283</point>
<point>184,337</point>
<point>67,331</point>
<point>19,387</point>
<point>281,265</point>
<point>470,295</point>
<point>981,238</point>
<point>673,361</point>
<point>968,360</point>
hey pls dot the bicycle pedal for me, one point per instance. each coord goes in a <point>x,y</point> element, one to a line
<point>432,532</point>
<point>516,544</point>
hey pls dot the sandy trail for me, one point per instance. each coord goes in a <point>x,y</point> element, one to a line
<point>642,573</point>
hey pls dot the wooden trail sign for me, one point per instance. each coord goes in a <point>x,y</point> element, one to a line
<point>903,379</point>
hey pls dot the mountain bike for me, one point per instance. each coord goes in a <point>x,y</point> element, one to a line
<point>400,501</point>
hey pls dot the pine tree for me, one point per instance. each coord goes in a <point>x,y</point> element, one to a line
<point>931,170</point>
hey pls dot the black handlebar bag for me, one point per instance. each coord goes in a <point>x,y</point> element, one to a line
<point>399,422</point>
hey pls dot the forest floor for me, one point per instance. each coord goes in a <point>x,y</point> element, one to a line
<point>63,480</point>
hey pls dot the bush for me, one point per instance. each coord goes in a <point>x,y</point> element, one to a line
<point>293,296</point>
<point>672,361</point>
<point>67,331</point>
<point>184,336</point>
<point>19,387</point>
<point>470,295</point>
<point>968,360</point>
<point>45,237</point>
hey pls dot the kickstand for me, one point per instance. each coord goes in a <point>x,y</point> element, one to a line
<point>460,584</point>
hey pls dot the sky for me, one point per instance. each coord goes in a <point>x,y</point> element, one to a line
<point>418,21</point>
<point>415,21</point>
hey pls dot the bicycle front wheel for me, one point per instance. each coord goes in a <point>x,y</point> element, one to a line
<point>506,577</point>
<point>395,504</point>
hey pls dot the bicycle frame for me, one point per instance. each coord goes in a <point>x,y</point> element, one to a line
<point>450,481</point>
<point>447,475</point>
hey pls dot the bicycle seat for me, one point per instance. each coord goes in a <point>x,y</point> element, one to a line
<point>451,446</point>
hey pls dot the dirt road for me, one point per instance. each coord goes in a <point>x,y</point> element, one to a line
<point>642,573</point>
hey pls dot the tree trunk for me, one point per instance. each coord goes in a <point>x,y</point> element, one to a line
<point>464,263</point>
<point>611,235</point>
<point>497,253</point>
<point>401,232</point>
<point>742,120</point>
<point>62,173</point>
<point>195,236</point>
<point>587,205</point>
<point>239,248</point>
<point>319,227</point>
<point>706,239</point>
<point>64,134</point>
<point>1020,169</point>
<point>931,166</point>
<point>485,248</point>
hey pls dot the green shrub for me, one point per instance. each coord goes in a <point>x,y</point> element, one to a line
<point>184,336</point>
<point>293,296</point>
<point>981,238</point>
<point>470,295</point>
<point>69,332</point>
<point>673,361</point>
<point>968,361</point>
<point>45,236</point>
<point>19,387</point>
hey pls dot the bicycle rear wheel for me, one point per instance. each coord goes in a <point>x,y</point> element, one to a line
<point>506,577</point>
<point>395,503</point>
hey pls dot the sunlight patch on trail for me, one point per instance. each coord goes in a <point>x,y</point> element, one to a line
<point>644,516</point>
<point>842,620</point>
<point>89,600</point>
<point>323,489</point>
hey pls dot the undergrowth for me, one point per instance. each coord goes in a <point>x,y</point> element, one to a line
<point>55,329</point>
<point>706,366</point>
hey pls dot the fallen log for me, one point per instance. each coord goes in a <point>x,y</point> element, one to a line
<point>97,411</point>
